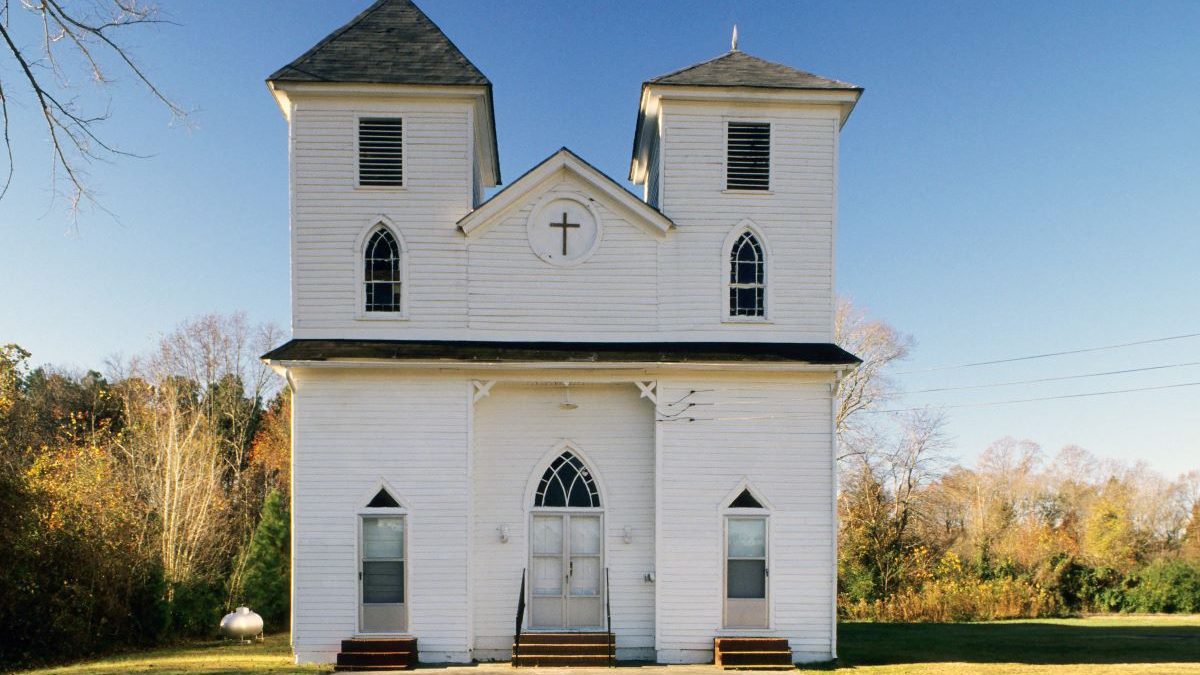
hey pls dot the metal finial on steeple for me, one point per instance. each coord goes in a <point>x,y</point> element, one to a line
<point>733,42</point>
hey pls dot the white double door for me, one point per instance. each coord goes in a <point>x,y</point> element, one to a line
<point>567,570</point>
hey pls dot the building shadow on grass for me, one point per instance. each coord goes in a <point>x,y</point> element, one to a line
<point>1017,642</point>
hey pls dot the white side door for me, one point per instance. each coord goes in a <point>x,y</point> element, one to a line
<point>746,572</point>
<point>381,573</point>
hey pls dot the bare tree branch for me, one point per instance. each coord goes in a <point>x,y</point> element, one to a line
<point>87,32</point>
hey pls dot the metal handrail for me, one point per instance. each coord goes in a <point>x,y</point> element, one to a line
<point>520,620</point>
<point>612,647</point>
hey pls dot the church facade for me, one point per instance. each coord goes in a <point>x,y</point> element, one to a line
<point>564,408</point>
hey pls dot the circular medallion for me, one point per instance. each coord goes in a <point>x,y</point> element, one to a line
<point>564,230</point>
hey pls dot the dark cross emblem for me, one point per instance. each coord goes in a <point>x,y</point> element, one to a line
<point>564,225</point>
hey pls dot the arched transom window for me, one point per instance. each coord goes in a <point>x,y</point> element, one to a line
<point>382,272</point>
<point>747,277</point>
<point>567,482</point>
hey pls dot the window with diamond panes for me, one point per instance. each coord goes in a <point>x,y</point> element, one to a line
<point>383,287</point>
<point>567,482</point>
<point>747,278</point>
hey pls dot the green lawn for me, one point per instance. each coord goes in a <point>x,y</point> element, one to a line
<point>1095,645</point>
<point>216,657</point>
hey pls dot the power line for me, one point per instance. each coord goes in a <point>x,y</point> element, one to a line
<point>1048,379</point>
<point>1045,398</point>
<point>1047,355</point>
<point>819,416</point>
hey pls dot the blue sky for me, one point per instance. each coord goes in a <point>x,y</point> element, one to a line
<point>1019,178</point>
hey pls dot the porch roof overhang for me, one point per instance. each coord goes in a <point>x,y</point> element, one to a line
<point>475,353</point>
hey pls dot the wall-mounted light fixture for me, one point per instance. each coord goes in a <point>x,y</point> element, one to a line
<point>503,534</point>
<point>566,404</point>
<point>628,535</point>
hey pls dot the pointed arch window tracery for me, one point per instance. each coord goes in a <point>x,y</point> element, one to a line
<point>382,272</point>
<point>747,277</point>
<point>567,482</point>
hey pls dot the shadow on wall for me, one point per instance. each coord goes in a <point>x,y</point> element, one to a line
<point>1124,640</point>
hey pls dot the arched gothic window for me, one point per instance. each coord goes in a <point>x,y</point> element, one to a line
<point>747,277</point>
<point>382,273</point>
<point>567,482</point>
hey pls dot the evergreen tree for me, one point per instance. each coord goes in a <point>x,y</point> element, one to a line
<point>266,581</point>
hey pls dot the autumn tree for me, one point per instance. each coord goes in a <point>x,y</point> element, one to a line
<point>879,345</point>
<point>192,409</point>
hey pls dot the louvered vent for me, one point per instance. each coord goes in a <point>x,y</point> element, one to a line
<point>381,152</point>
<point>748,162</point>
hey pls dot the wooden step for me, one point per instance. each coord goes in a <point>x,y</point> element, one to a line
<point>552,649</point>
<point>566,650</point>
<point>374,654</point>
<point>564,638</point>
<point>560,661</point>
<point>380,645</point>
<point>752,653</point>
<point>742,659</point>
<point>752,644</point>
<point>394,658</point>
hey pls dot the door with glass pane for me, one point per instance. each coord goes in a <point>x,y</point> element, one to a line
<point>567,563</point>
<point>381,575</point>
<point>746,572</point>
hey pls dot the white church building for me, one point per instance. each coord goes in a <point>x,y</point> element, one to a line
<point>566,416</point>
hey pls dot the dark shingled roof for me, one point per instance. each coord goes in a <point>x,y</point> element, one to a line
<point>738,69</point>
<point>479,351</point>
<point>391,42</point>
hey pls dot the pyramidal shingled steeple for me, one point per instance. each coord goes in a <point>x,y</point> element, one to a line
<point>738,69</point>
<point>391,42</point>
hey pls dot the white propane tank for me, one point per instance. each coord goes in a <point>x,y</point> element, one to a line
<point>242,624</point>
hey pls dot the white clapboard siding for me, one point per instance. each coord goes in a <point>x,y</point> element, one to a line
<point>796,219</point>
<point>330,213</point>
<point>354,428</point>
<point>635,287</point>
<point>774,433</point>
<point>517,428</point>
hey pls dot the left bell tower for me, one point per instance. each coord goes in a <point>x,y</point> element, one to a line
<point>391,141</point>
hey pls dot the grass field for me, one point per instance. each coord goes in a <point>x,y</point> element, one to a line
<point>1163,644</point>
<point>272,655</point>
<point>1159,645</point>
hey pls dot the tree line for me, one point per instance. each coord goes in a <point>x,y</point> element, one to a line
<point>1020,533</point>
<point>138,505</point>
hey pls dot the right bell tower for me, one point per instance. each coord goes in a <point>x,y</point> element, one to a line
<point>742,154</point>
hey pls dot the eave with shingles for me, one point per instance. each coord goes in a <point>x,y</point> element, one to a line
<point>476,352</point>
